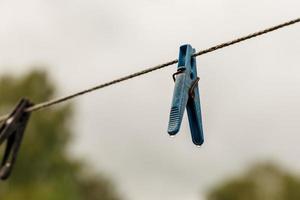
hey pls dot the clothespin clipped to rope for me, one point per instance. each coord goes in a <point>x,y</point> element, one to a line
<point>186,95</point>
<point>11,132</point>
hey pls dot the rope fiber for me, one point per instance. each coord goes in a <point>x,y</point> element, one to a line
<point>53,102</point>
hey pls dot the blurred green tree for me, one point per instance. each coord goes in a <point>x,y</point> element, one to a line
<point>262,182</point>
<point>44,170</point>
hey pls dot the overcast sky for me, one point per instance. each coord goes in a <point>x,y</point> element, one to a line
<point>250,92</point>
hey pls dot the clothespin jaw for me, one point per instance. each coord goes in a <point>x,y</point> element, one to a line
<point>11,132</point>
<point>186,95</point>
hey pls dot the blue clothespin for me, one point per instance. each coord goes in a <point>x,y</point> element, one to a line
<point>186,95</point>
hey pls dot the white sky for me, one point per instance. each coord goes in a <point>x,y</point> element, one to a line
<point>250,93</point>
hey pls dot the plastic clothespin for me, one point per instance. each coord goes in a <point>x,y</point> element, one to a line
<point>11,132</point>
<point>186,95</point>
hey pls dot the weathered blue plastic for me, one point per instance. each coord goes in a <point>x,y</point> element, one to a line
<point>182,99</point>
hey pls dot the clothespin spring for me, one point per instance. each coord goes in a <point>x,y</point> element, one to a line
<point>191,92</point>
<point>192,89</point>
<point>179,71</point>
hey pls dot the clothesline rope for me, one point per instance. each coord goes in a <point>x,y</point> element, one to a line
<point>53,102</point>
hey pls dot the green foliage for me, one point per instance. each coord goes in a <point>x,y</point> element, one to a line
<point>262,182</point>
<point>43,169</point>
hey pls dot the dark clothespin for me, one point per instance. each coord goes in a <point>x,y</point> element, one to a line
<point>186,95</point>
<point>11,132</point>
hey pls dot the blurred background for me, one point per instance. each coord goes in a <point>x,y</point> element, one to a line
<point>113,144</point>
